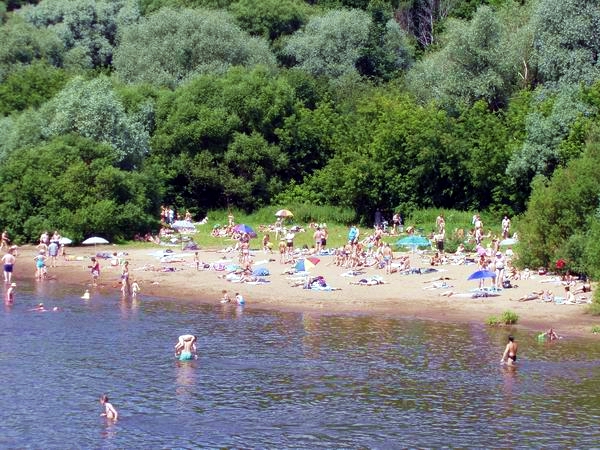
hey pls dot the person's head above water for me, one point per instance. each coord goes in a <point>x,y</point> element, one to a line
<point>511,339</point>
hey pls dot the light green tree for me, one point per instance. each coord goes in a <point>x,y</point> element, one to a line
<point>567,40</point>
<point>330,44</point>
<point>91,109</point>
<point>171,46</point>
<point>87,28</point>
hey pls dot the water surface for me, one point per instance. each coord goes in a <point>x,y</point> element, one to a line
<point>269,379</point>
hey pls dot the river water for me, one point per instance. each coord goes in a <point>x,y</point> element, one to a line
<point>269,379</point>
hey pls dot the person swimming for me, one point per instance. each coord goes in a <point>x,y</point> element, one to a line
<point>109,410</point>
<point>185,349</point>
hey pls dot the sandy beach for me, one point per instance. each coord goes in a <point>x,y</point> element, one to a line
<point>422,296</point>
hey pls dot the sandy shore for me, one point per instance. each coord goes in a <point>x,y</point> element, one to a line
<point>401,295</point>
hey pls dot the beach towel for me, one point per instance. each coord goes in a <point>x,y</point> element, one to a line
<point>261,272</point>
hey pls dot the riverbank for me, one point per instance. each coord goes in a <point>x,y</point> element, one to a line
<point>422,296</point>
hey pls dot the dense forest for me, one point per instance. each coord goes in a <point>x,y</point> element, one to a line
<point>110,108</point>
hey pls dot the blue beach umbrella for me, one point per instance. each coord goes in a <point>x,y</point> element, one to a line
<point>481,274</point>
<point>243,228</point>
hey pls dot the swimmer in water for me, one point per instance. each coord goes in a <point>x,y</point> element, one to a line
<point>86,295</point>
<point>39,307</point>
<point>9,299</point>
<point>185,349</point>
<point>226,298</point>
<point>109,410</point>
<point>510,352</point>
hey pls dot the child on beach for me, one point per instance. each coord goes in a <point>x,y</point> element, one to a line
<point>135,289</point>
<point>109,410</point>
<point>94,270</point>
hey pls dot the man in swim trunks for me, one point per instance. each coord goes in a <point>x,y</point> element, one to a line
<point>510,352</point>
<point>185,349</point>
<point>9,262</point>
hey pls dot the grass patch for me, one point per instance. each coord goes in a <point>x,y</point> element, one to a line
<point>508,318</point>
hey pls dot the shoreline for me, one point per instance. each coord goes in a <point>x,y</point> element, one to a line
<point>402,296</point>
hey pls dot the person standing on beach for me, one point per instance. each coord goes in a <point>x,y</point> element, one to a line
<point>510,352</point>
<point>8,260</point>
<point>94,270</point>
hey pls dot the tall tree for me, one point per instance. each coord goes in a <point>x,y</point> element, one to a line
<point>330,44</point>
<point>171,46</point>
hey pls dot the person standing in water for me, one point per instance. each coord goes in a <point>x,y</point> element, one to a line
<point>510,352</point>
<point>185,349</point>
<point>109,410</point>
<point>9,299</point>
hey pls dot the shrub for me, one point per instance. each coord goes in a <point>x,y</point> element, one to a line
<point>596,329</point>
<point>493,321</point>
<point>509,318</point>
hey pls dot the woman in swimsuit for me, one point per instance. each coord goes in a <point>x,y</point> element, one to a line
<point>510,352</point>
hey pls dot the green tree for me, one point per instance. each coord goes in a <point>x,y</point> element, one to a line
<point>92,110</point>
<point>87,28</point>
<point>23,44</point>
<point>548,124</point>
<point>30,86</point>
<point>567,40</point>
<point>270,18</point>
<point>560,212</point>
<point>330,44</point>
<point>71,183</point>
<point>172,46</point>
<point>387,49</point>
<point>471,65</point>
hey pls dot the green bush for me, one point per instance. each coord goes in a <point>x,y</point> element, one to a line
<point>509,318</point>
<point>596,329</point>
<point>493,321</point>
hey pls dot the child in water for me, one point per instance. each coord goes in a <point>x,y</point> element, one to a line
<point>109,410</point>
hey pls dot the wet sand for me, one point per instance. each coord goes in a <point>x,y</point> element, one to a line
<point>401,296</point>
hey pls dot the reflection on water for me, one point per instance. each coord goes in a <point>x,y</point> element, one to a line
<point>280,379</point>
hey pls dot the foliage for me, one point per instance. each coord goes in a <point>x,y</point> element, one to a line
<point>470,66</point>
<point>548,124</point>
<point>171,46</point>
<point>493,321</point>
<point>23,44</point>
<point>567,42</point>
<point>270,18</point>
<point>509,317</point>
<point>149,6</point>
<point>330,44</point>
<point>596,329</point>
<point>30,86</point>
<point>87,28</point>
<point>72,184</point>
<point>387,49</point>
<point>560,210</point>
<point>228,124</point>
<point>91,109</point>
